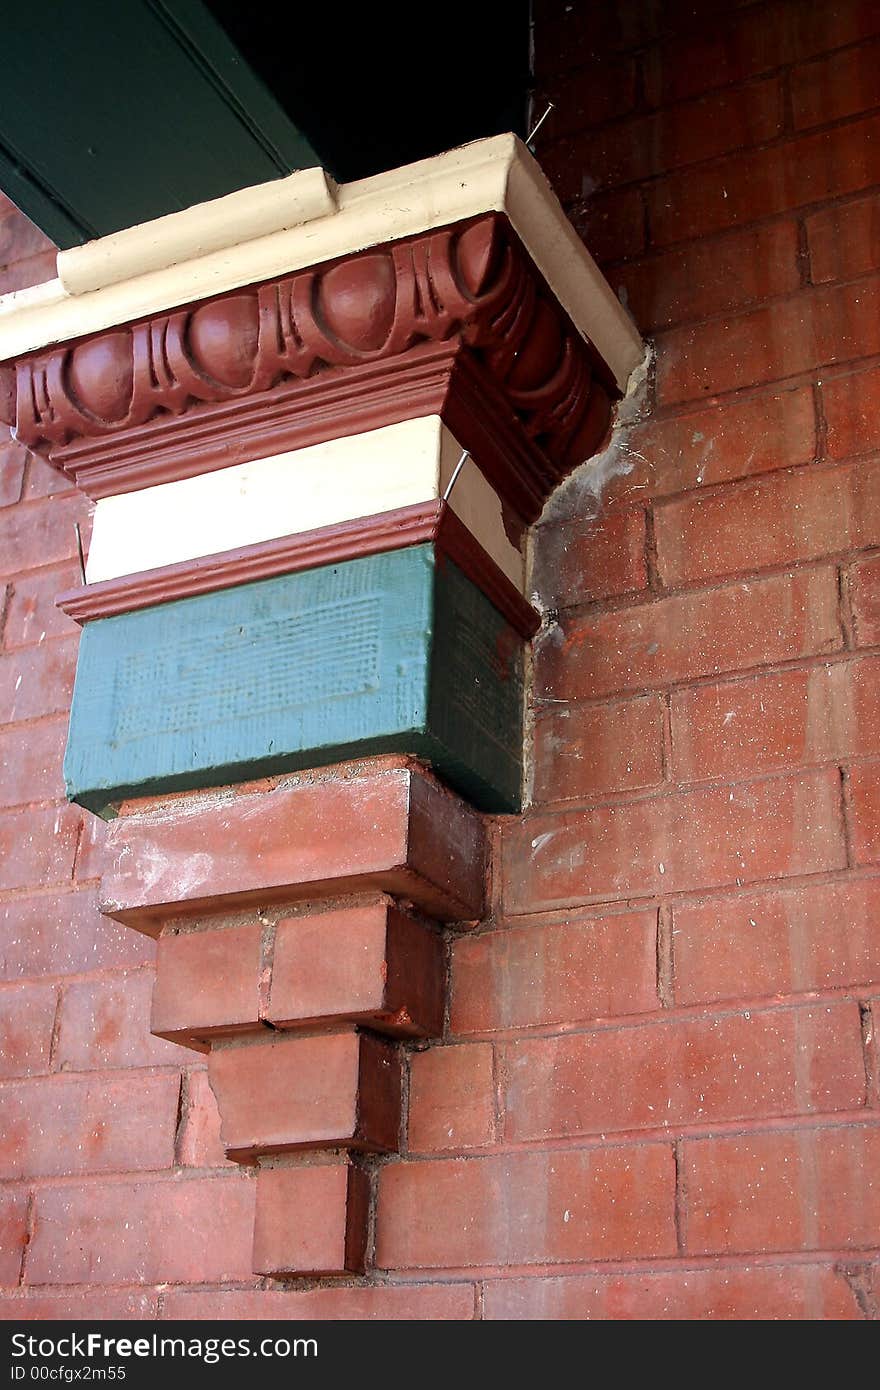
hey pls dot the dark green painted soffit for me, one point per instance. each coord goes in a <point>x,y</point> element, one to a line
<point>113,112</point>
<point>389,653</point>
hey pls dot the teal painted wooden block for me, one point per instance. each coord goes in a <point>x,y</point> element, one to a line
<point>390,653</point>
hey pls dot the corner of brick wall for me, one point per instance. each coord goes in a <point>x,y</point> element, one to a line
<point>657,1094</point>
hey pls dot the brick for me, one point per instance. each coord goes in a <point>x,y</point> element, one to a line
<point>603,91</point>
<point>40,533</point>
<point>629,151</point>
<point>838,85</point>
<point>689,635</point>
<point>526,1208</point>
<point>844,240</point>
<point>12,461</point>
<point>311,1219</point>
<point>864,787</point>
<point>612,224</point>
<point>797,1190</point>
<point>33,617</point>
<point>106,1023</point>
<point>704,447</point>
<point>670,844</point>
<point>822,936</point>
<point>143,1232</point>
<point>370,964</point>
<point>88,1306</point>
<point>782,719</point>
<point>91,855</point>
<point>751,185</point>
<point>13,1234</point>
<point>452,1098</point>
<point>852,410</point>
<point>33,270</point>
<point>290,1092</point>
<point>37,847</point>
<point>589,558</point>
<point>207,982</point>
<point>393,831</point>
<point>817,327</point>
<point>27,1016</point>
<point>200,1144</point>
<point>566,972</point>
<point>818,28</point>
<point>359,1302</point>
<point>683,1072</point>
<point>60,934</point>
<point>700,279</point>
<point>864,584</point>
<point>72,1124</point>
<point>37,680</point>
<point>729,50</point>
<point>783,519</point>
<point>30,762</point>
<point>727,1293</point>
<point>583,751</point>
<point>20,239</point>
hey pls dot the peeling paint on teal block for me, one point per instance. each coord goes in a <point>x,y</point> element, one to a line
<point>389,653</point>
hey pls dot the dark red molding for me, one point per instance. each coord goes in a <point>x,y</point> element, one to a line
<point>456,322</point>
<point>422,523</point>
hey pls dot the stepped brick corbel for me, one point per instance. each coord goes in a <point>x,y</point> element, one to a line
<point>315,453</point>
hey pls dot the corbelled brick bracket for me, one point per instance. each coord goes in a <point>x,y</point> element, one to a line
<point>300,937</point>
<point>315,454</point>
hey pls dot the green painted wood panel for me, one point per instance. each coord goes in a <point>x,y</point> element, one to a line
<point>384,653</point>
<point>115,113</point>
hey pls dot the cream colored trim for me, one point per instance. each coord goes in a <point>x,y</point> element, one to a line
<point>343,479</point>
<point>497,174</point>
<point>190,235</point>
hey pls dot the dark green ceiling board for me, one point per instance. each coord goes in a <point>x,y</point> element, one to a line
<point>113,113</point>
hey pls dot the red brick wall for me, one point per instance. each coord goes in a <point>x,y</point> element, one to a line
<point>658,1095</point>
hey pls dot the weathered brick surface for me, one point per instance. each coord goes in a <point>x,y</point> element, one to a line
<point>27,1018</point>
<point>527,1208</point>
<point>88,1124</point>
<point>452,1098</point>
<point>557,972</point>
<point>376,1302</point>
<point>106,1023</point>
<point>805,1189</point>
<point>682,949</point>
<point>318,1091</point>
<point>144,1232</point>
<point>844,241</point>
<point>371,964</point>
<point>207,982</point>
<point>688,635</point>
<point>770,829</point>
<point>583,751</point>
<point>778,941</point>
<point>311,1219</point>
<point>728,1067</point>
<point>727,1293</point>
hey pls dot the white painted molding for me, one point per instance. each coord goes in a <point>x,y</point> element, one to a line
<point>186,236</point>
<point>341,480</point>
<point>498,174</point>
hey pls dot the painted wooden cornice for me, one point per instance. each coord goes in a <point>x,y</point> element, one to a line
<point>187,256</point>
<point>455,322</point>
